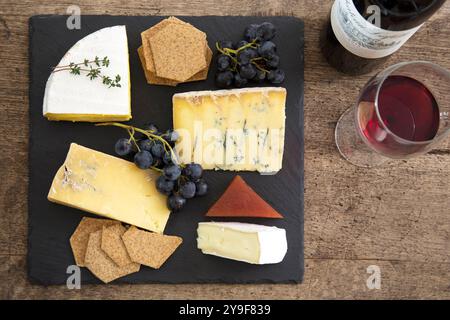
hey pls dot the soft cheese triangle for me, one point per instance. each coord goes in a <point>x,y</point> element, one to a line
<point>237,129</point>
<point>96,182</point>
<point>76,97</point>
<point>251,243</point>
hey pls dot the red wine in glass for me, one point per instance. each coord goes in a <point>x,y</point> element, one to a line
<point>408,112</point>
<point>401,112</point>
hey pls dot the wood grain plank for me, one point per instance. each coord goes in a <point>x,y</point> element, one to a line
<point>397,213</point>
<point>5,280</point>
<point>325,279</point>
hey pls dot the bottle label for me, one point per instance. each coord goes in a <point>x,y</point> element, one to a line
<point>361,37</point>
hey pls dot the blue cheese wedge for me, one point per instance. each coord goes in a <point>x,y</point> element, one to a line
<point>237,130</point>
<point>96,182</point>
<point>251,243</point>
<point>76,97</point>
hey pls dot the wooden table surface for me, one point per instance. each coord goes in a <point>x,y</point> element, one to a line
<point>396,217</point>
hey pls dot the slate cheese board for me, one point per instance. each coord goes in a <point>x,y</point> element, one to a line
<point>51,225</point>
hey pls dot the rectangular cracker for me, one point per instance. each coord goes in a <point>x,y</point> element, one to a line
<point>80,237</point>
<point>113,245</point>
<point>101,265</point>
<point>148,248</point>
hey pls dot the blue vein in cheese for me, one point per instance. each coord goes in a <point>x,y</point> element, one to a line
<point>239,129</point>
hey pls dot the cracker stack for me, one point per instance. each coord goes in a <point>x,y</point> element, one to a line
<point>110,251</point>
<point>173,52</point>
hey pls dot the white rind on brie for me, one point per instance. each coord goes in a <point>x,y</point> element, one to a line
<point>76,97</point>
<point>251,243</point>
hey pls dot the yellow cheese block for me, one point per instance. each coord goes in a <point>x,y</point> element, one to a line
<point>93,181</point>
<point>238,129</point>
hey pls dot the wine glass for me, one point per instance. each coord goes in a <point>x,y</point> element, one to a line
<point>401,112</point>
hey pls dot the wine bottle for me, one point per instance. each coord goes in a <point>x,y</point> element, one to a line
<point>362,34</point>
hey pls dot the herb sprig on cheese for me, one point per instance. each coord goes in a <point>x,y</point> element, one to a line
<point>91,71</point>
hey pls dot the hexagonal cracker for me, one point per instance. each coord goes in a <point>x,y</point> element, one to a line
<point>153,79</point>
<point>150,76</point>
<point>146,36</point>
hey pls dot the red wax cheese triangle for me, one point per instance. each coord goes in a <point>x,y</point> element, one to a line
<point>239,200</point>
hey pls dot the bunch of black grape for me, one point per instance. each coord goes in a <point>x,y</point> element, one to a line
<point>154,150</point>
<point>253,59</point>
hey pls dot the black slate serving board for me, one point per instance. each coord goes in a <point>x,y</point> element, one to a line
<point>51,225</point>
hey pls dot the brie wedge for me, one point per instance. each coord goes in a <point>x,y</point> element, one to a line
<point>76,97</point>
<point>251,243</point>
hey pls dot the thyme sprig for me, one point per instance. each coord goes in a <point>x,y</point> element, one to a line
<point>93,70</point>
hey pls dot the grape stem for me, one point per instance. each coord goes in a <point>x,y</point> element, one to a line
<point>132,130</point>
<point>131,133</point>
<point>156,169</point>
<point>252,44</point>
<point>227,52</point>
<point>259,67</point>
<point>230,52</point>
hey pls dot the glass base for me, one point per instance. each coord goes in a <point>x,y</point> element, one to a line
<point>351,146</point>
